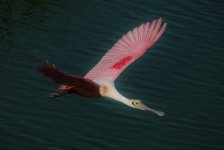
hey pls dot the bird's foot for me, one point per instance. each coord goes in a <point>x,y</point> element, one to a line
<point>52,95</point>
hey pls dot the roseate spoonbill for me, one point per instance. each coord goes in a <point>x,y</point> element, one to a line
<point>99,81</point>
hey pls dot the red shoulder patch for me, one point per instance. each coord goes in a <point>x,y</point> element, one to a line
<point>122,62</point>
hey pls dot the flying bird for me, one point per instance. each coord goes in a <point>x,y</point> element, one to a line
<point>99,81</point>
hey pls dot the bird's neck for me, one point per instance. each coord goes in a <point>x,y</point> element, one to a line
<point>108,90</point>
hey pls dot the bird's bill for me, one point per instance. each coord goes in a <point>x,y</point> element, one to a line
<point>157,112</point>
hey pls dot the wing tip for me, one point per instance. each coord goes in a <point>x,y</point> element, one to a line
<point>46,66</point>
<point>160,19</point>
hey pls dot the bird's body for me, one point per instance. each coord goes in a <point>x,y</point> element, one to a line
<point>71,84</point>
<point>99,81</point>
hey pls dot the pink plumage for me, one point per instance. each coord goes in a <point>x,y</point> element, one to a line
<point>129,48</point>
<point>99,82</point>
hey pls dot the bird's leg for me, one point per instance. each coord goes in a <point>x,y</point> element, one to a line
<point>52,95</point>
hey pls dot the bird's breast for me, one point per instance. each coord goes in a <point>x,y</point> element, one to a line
<point>104,90</point>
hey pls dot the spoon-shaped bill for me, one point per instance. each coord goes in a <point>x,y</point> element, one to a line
<point>157,112</point>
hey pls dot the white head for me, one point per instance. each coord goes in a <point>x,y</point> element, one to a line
<point>139,105</point>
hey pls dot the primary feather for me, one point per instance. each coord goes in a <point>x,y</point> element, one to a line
<point>129,48</point>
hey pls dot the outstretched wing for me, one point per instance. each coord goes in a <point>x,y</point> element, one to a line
<point>129,48</point>
<point>62,78</point>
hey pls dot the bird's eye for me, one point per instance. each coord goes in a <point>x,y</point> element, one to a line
<point>137,103</point>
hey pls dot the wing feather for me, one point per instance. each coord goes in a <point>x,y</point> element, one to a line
<point>135,34</point>
<point>141,32</point>
<point>129,48</point>
<point>63,78</point>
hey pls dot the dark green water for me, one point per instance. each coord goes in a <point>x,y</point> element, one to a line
<point>181,75</point>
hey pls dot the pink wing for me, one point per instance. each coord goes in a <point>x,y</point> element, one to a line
<point>129,48</point>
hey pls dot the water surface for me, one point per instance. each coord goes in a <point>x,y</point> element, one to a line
<point>181,75</point>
